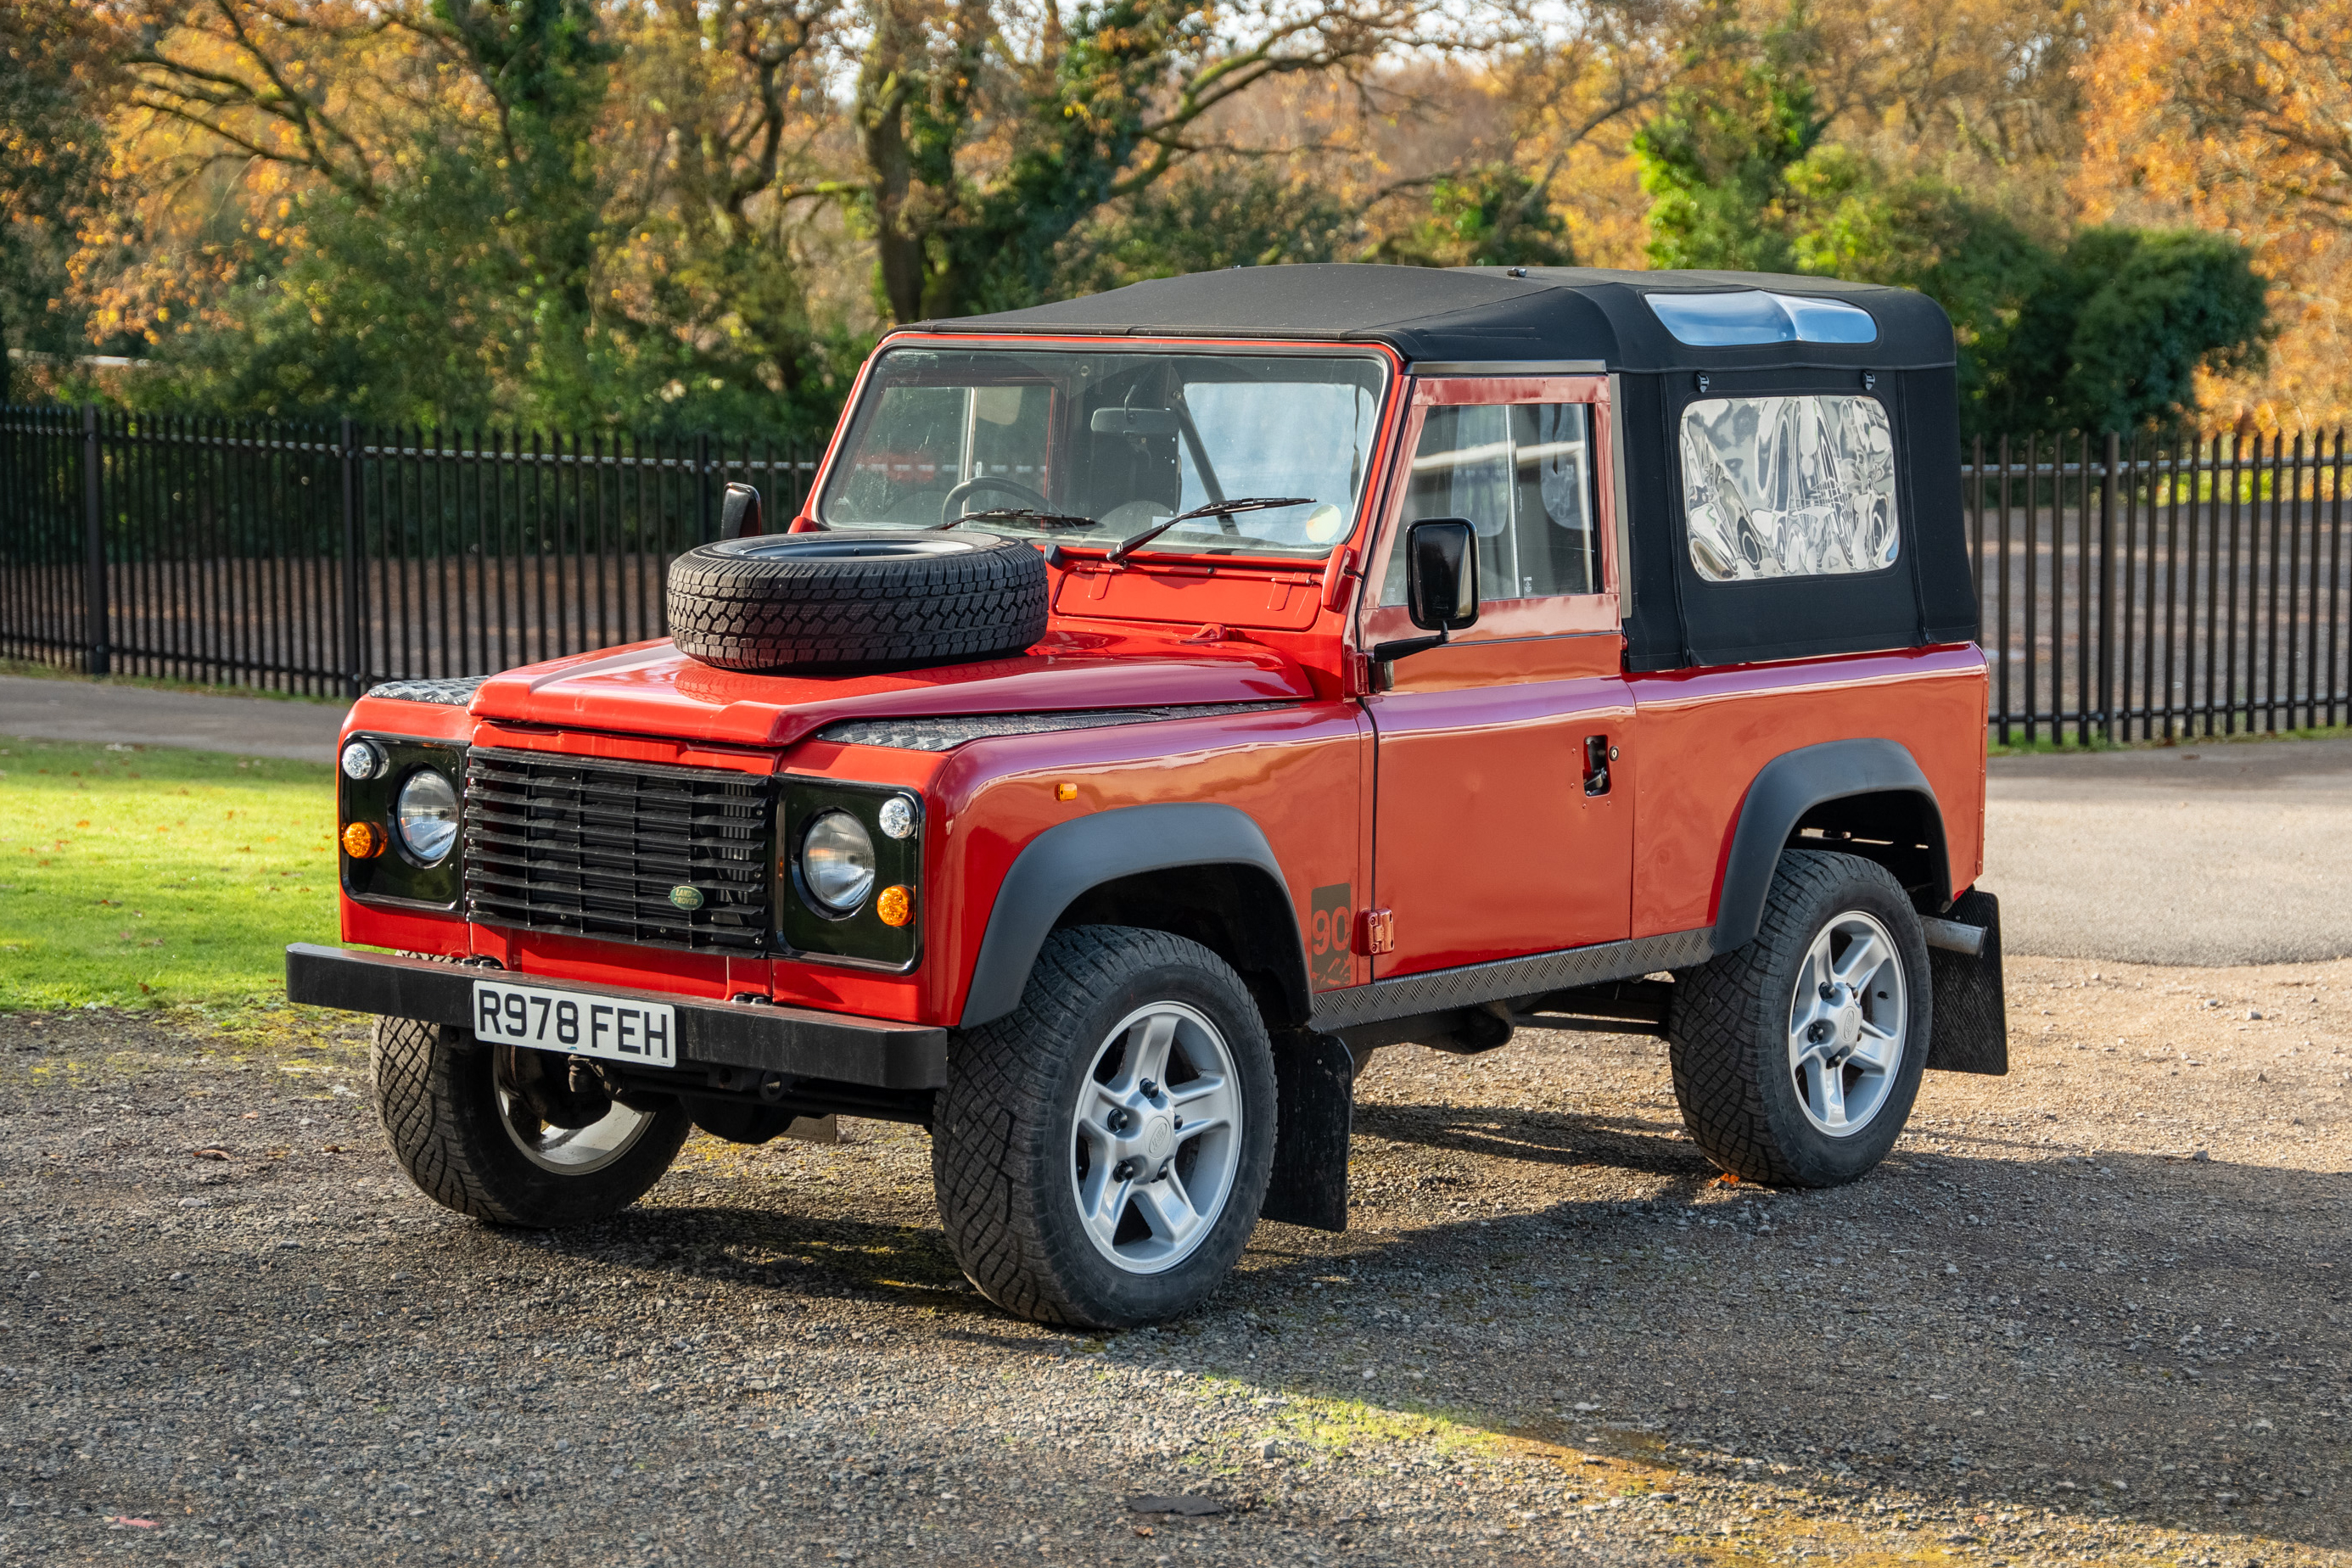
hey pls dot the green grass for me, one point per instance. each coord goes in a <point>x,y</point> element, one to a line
<point>152,877</point>
<point>2046,747</point>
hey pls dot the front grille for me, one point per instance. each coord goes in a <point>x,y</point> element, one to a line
<point>597,849</point>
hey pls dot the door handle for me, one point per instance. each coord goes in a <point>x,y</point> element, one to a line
<point>1597,753</point>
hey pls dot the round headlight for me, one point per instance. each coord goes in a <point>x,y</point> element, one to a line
<point>426,816</point>
<point>838,861</point>
<point>361,761</point>
<point>897,817</point>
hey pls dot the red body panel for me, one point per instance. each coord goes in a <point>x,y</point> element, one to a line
<point>1485,844</point>
<point>1455,798</point>
<point>650,688</point>
<point>1707,733</point>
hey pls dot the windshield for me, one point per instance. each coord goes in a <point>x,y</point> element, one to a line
<point>1096,449</point>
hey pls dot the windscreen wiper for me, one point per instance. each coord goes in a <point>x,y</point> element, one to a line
<point>1021,514</point>
<point>1135,541</point>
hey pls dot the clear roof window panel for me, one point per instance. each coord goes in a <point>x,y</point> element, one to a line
<point>1828,320</point>
<point>1789,487</point>
<point>1754,316</point>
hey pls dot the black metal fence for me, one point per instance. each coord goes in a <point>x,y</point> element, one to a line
<point>2130,590</point>
<point>325,559</point>
<point>2133,590</point>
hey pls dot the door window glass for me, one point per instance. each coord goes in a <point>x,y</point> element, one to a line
<point>1789,487</point>
<point>1522,473</point>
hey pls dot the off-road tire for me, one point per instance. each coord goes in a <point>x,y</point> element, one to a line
<point>857,599</point>
<point>1727,1030</point>
<point>438,1103</point>
<point>1001,1146</point>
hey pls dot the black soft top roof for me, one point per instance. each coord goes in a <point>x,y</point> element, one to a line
<point>1482,314</point>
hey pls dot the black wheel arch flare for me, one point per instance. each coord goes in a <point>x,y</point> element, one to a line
<point>1795,786</point>
<point>1072,860</point>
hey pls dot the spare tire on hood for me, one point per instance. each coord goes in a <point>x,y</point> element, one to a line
<point>865,599</point>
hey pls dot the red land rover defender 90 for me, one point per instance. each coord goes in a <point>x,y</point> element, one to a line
<point>1169,697</point>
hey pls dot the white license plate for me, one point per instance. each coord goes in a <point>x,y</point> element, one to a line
<point>577,1022</point>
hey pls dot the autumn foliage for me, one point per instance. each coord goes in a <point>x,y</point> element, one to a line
<point>2236,116</point>
<point>696,214</point>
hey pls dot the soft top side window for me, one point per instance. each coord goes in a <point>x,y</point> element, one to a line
<point>1523,474</point>
<point>1789,487</point>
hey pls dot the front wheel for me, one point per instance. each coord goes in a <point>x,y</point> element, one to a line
<point>1796,1058</point>
<point>515,1136</point>
<point>1101,1154</point>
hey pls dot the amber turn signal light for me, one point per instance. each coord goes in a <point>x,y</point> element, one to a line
<point>364,841</point>
<point>895,906</point>
<point>1066,792</point>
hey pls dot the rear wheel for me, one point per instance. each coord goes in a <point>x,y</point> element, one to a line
<point>1796,1058</point>
<point>1101,1154</point>
<point>515,1136</point>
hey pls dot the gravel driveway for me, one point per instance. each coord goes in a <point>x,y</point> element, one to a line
<point>2095,1311</point>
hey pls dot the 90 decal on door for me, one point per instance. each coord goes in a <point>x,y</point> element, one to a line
<point>1330,938</point>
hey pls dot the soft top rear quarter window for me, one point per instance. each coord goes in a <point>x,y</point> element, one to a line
<point>1789,487</point>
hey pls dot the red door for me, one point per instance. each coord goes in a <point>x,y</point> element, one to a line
<point>1492,836</point>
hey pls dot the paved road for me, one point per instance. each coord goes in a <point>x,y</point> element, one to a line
<point>100,711</point>
<point>2200,855</point>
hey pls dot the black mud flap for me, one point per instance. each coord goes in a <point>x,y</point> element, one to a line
<point>1971,1018</point>
<point>1315,1083</point>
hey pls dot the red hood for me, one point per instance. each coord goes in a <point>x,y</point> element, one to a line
<point>651,689</point>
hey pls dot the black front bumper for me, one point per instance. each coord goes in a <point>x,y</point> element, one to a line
<point>792,1041</point>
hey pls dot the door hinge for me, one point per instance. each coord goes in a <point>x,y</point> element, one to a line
<point>1376,932</point>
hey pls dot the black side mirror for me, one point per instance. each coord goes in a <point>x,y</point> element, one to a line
<point>1441,567</point>
<point>1440,577</point>
<point>739,514</point>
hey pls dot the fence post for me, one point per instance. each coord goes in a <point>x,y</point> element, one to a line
<point>2107,589</point>
<point>354,632</point>
<point>702,487</point>
<point>96,623</point>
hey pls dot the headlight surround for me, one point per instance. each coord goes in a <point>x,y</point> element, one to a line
<point>426,816</point>
<point>837,860</point>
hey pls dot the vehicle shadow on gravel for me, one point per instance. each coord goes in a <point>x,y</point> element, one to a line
<point>2130,1339</point>
<point>798,1255</point>
<point>1654,1147</point>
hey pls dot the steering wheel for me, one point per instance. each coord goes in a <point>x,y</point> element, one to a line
<point>951,510</point>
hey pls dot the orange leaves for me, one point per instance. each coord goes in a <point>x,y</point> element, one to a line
<point>2229,114</point>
